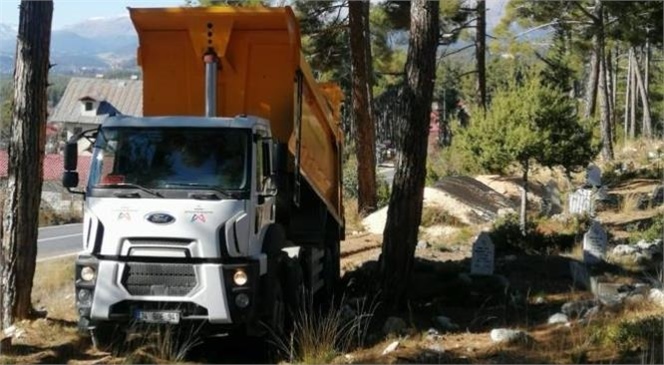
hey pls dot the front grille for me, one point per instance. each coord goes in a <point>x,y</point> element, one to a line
<point>159,241</point>
<point>141,278</point>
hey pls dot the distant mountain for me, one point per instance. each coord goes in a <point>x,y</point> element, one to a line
<point>93,45</point>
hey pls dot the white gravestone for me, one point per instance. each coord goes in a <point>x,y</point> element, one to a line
<point>594,244</point>
<point>581,202</point>
<point>593,176</point>
<point>482,262</point>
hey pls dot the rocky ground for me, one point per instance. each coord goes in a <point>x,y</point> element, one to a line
<point>538,307</point>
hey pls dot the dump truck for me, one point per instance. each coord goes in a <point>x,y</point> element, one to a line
<point>222,204</point>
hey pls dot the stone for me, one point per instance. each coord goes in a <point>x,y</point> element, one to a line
<point>657,196</point>
<point>580,274</point>
<point>610,293</point>
<point>593,176</point>
<point>635,299</point>
<point>432,335</point>
<point>656,296</point>
<point>507,335</point>
<point>394,325</point>
<point>558,318</point>
<point>483,255</point>
<point>446,324</point>
<point>580,202</point>
<point>391,347</point>
<point>624,250</point>
<point>435,347</point>
<point>421,245</point>
<point>594,244</point>
<point>578,308</point>
<point>540,300</point>
<point>9,331</point>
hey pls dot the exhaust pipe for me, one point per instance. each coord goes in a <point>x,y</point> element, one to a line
<point>211,62</point>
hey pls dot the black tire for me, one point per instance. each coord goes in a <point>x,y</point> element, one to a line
<point>106,336</point>
<point>294,291</point>
<point>331,272</point>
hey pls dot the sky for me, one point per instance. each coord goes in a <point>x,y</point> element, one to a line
<point>68,12</point>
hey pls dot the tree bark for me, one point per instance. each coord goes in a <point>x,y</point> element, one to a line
<point>591,85</point>
<point>628,90</point>
<point>480,53</point>
<point>405,210</point>
<point>26,154</point>
<point>364,144</point>
<point>646,127</point>
<point>605,112</point>
<point>632,116</point>
<point>523,216</point>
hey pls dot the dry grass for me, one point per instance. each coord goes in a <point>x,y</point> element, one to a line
<point>319,336</point>
<point>53,288</point>
<point>630,203</point>
<point>353,218</point>
<point>434,215</point>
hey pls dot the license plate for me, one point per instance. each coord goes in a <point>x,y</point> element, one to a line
<point>172,317</point>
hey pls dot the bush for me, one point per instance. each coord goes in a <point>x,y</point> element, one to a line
<point>655,231</point>
<point>350,183</point>
<point>50,217</point>
<point>507,238</point>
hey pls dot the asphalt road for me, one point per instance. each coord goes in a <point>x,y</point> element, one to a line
<point>58,241</point>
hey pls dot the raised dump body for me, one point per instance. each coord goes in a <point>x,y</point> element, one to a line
<point>261,72</point>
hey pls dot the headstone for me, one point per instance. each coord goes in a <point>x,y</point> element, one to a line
<point>594,244</point>
<point>581,202</point>
<point>657,198</point>
<point>593,176</point>
<point>482,262</point>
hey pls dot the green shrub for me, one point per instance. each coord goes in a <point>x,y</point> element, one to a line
<point>655,231</point>
<point>382,192</point>
<point>350,183</point>
<point>506,236</point>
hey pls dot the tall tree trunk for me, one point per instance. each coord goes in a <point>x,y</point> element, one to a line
<point>405,210</point>
<point>632,115</point>
<point>480,53</point>
<point>605,112</point>
<point>608,59</point>
<point>523,216</point>
<point>591,84</point>
<point>628,91</point>
<point>646,128</point>
<point>362,115</point>
<point>26,154</point>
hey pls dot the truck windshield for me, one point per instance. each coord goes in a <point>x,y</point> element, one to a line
<point>171,158</point>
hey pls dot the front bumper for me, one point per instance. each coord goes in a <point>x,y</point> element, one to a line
<point>211,297</point>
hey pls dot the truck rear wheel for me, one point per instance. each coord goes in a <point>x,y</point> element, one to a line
<point>331,271</point>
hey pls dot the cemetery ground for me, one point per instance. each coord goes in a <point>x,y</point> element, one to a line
<point>542,304</point>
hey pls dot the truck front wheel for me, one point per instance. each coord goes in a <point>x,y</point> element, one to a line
<point>105,336</point>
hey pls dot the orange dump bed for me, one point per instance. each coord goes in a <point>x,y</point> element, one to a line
<point>259,52</point>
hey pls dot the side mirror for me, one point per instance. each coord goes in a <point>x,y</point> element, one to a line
<point>70,179</point>
<point>71,156</point>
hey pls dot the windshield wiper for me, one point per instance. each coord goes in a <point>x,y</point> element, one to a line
<point>223,193</point>
<point>132,186</point>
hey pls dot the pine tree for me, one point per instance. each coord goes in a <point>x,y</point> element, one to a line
<point>26,158</point>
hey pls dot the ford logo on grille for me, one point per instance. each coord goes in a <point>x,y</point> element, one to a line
<point>160,218</point>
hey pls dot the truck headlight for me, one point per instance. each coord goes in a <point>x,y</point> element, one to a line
<point>240,277</point>
<point>88,273</point>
